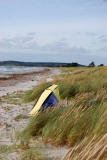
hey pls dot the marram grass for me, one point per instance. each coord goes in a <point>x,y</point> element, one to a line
<point>69,125</point>
<point>89,149</point>
<point>83,118</point>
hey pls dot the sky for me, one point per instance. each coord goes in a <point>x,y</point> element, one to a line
<point>54,31</point>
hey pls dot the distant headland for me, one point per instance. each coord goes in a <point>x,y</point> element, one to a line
<point>39,64</point>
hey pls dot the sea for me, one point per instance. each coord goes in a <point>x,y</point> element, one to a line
<point>18,69</point>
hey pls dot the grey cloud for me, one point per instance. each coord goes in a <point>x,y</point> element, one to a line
<point>32,45</point>
<point>63,39</point>
<point>28,43</point>
<point>17,39</point>
<point>14,42</point>
<point>104,40</point>
<point>79,33</point>
<point>103,49</point>
<point>60,44</point>
<point>32,33</point>
<point>26,39</point>
<point>91,34</point>
<point>56,46</point>
<point>22,39</point>
<point>94,43</point>
<point>102,36</point>
<point>78,50</point>
<point>88,34</point>
<point>63,47</point>
<point>5,44</point>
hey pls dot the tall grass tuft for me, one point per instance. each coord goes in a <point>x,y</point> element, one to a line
<point>89,149</point>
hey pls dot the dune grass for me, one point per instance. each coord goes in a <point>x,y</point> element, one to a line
<point>84,116</point>
<point>89,149</point>
<point>75,81</point>
<point>68,124</point>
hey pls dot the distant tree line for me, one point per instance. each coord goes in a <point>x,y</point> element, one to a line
<point>71,65</point>
<point>92,64</point>
<point>74,64</point>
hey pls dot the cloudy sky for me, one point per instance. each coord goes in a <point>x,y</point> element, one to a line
<point>54,31</point>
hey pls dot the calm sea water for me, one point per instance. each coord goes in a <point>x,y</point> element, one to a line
<point>15,69</point>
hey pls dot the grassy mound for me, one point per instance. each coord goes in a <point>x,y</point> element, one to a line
<point>84,116</point>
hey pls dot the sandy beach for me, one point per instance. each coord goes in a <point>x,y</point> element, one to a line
<point>11,106</point>
<point>10,83</point>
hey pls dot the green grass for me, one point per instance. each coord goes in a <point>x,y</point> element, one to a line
<point>32,154</point>
<point>21,116</point>
<point>26,151</point>
<point>5,148</point>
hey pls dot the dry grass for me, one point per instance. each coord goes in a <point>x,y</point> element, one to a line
<point>89,149</point>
